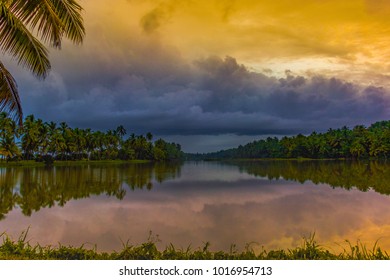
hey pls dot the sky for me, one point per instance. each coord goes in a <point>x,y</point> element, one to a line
<point>213,74</point>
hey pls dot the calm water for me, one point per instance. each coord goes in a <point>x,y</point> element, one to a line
<point>273,204</point>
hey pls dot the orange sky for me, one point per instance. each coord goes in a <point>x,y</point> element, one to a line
<point>348,38</point>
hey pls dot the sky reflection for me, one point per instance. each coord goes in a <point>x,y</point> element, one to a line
<point>224,207</point>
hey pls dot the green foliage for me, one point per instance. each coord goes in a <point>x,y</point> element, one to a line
<point>46,142</point>
<point>309,250</point>
<point>358,143</point>
<point>8,133</point>
<point>359,251</point>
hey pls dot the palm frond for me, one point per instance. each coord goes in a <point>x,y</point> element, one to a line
<point>52,19</point>
<point>69,12</point>
<point>42,16</point>
<point>17,40</point>
<point>9,95</point>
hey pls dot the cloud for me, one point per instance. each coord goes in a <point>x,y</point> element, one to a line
<point>152,20</point>
<point>378,7</point>
<point>209,96</point>
<point>235,89</point>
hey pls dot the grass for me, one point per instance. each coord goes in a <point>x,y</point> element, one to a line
<point>309,250</point>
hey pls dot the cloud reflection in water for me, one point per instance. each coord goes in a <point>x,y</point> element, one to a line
<point>223,207</point>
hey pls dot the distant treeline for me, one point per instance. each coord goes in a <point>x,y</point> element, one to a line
<point>47,141</point>
<point>356,143</point>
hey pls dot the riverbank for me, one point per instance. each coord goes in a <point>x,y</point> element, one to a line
<point>33,163</point>
<point>308,250</point>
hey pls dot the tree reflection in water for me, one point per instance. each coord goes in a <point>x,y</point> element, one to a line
<point>338,174</point>
<point>33,188</point>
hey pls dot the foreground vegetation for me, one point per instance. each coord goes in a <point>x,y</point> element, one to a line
<point>46,142</point>
<point>357,143</point>
<point>309,250</point>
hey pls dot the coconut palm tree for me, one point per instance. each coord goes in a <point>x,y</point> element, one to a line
<point>20,20</point>
<point>121,131</point>
<point>8,132</point>
<point>30,137</point>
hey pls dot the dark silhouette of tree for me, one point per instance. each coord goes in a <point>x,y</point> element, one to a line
<point>25,25</point>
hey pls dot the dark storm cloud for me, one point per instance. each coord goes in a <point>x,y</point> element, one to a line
<point>317,99</point>
<point>148,87</point>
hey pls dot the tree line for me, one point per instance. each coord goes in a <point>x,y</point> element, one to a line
<point>359,142</point>
<point>47,141</point>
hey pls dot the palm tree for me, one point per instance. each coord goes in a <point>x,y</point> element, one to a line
<point>8,132</point>
<point>121,131</point>
<point>56,140</point>
<point>30,137</point>
<point>79,141</point>
<point>50,20</point>
<point>149,136</point>
<point>8,147</point>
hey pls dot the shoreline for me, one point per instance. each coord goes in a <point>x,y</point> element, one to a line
<point>33,163</point>
<point>308,250</point>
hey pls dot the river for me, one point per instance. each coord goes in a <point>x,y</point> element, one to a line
<point>261,204</point>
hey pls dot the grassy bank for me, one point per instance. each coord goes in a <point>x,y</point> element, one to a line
<point>308,250</point>
<point>33,163</point>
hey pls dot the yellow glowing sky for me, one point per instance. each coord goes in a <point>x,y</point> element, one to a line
<point>348,38</point>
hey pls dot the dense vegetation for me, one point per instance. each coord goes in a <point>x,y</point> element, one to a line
<point>46,141</point>
<point>359,142</point>
<point>309,250</point>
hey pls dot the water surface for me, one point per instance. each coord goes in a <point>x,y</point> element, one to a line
<point>271,204</point>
